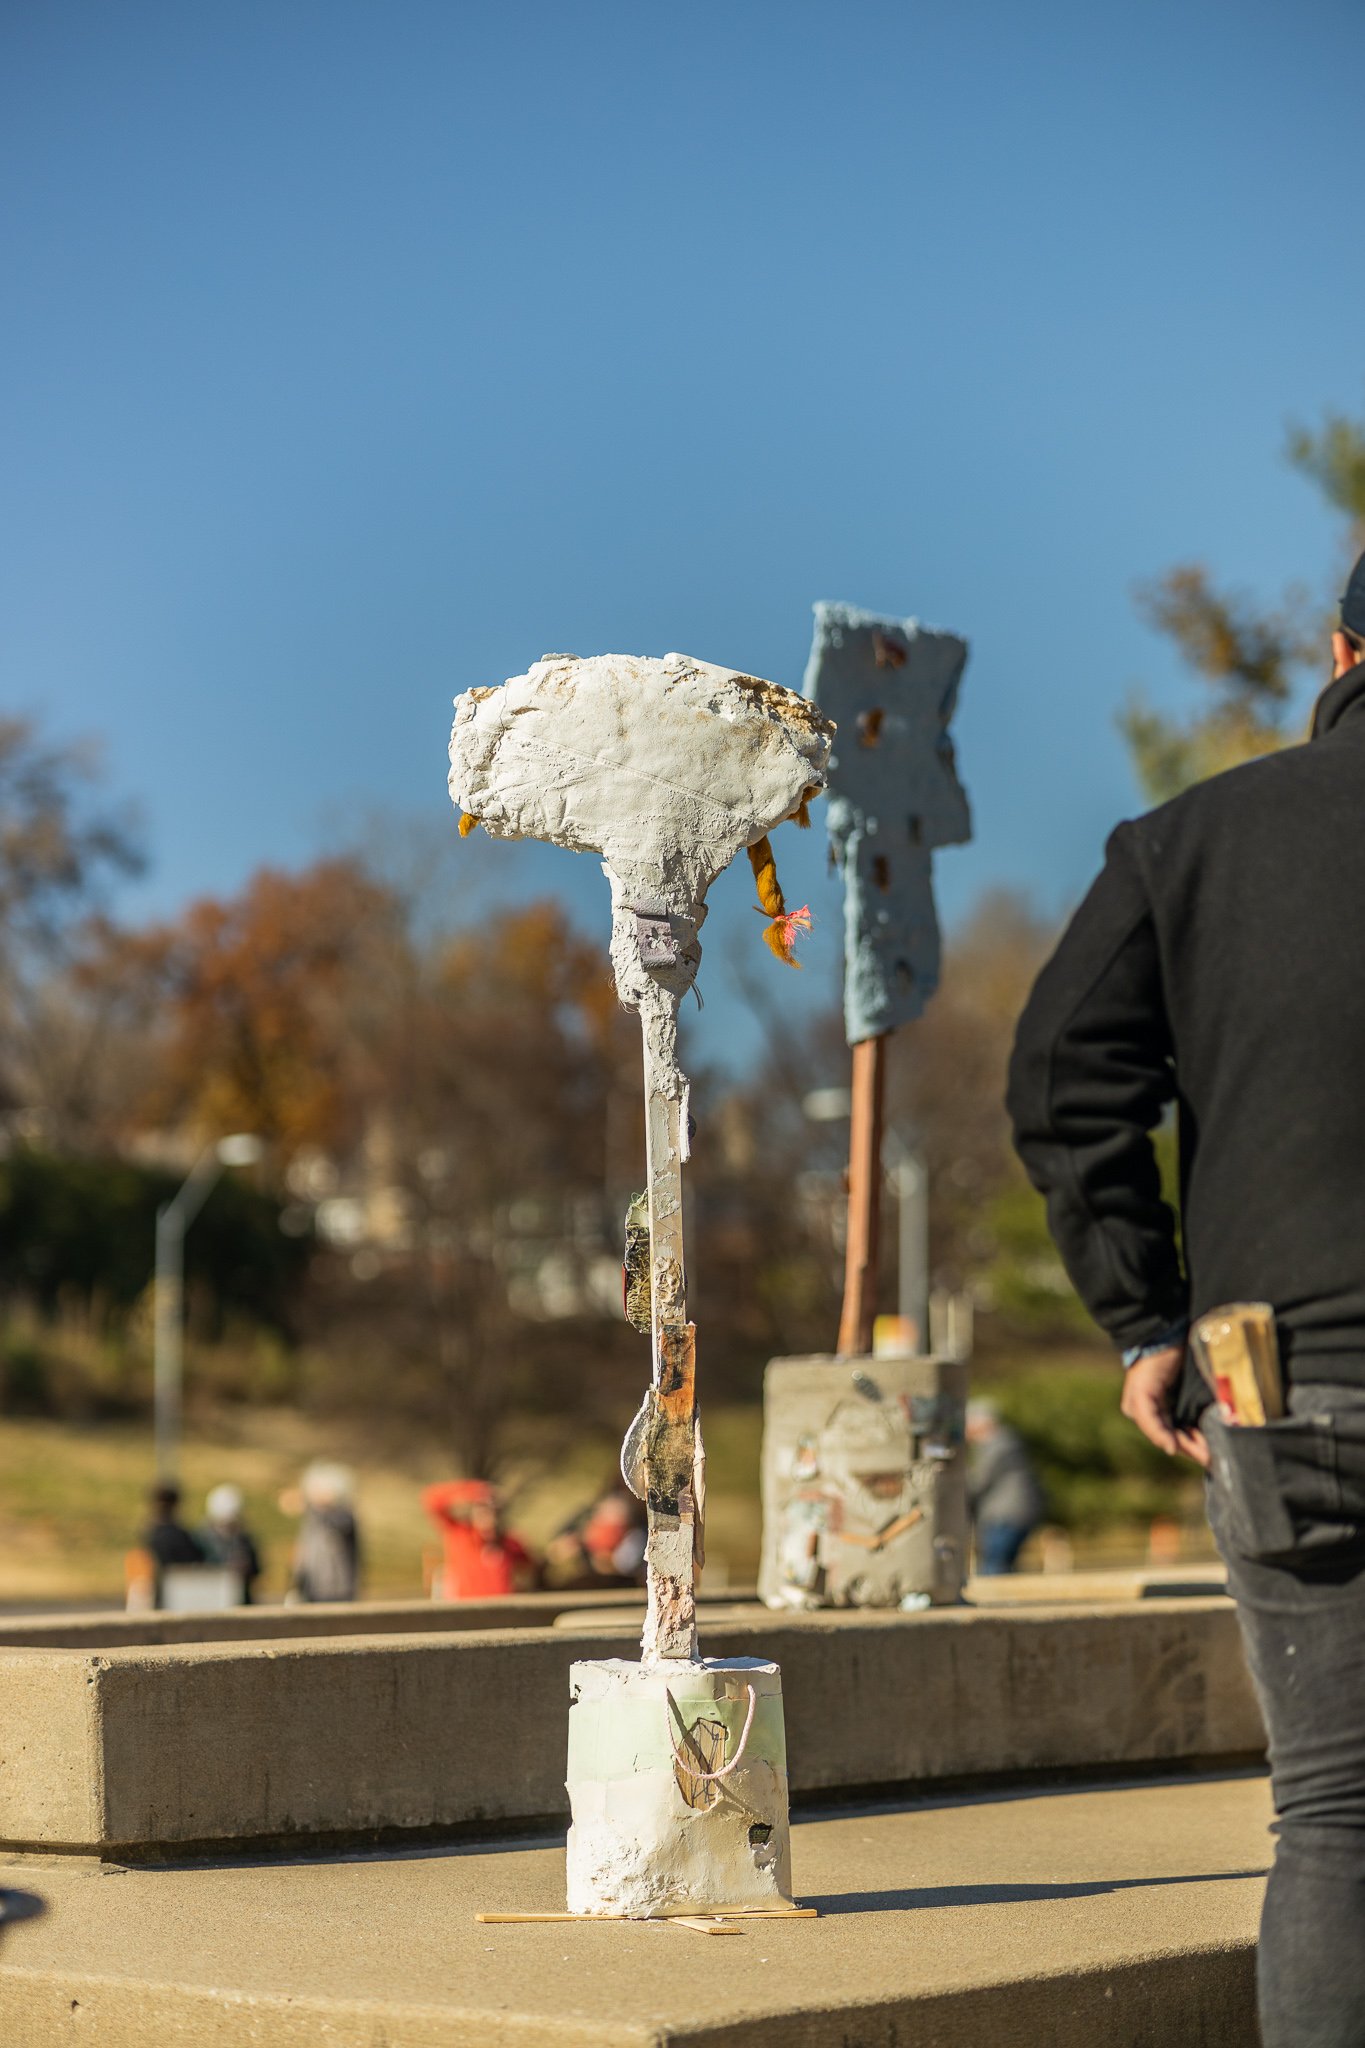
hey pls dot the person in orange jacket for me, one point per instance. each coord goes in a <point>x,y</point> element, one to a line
<point>482,1560</point>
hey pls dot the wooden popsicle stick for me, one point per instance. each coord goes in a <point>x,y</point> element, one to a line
<point>884,1536</point>
<point>769,1912</point>
<point>684,1919</point>
<point>504,1919</point>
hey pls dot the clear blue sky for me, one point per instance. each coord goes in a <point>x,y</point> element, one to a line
<point>355,352</point>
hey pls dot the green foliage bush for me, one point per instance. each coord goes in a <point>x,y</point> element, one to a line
<point>1096,1467</point>
<point>77,1254</point>
<point>1027,1281</point>
<point>79,1233</point>
<point>81,1368</point>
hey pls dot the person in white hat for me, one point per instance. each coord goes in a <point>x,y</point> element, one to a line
<point>225,1539</point>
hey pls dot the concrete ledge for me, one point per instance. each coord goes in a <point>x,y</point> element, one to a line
<point>1122,1916</point>
<point>181,1749</point>
<point>51,1768</point>
<point>116,1631</point>
<point>1013,1589</point>
<point>1141,1582</point>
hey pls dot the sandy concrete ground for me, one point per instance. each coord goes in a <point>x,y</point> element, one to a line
<point>1124,1914</point>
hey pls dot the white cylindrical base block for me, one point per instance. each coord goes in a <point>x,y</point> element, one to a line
<point>678,1787</point>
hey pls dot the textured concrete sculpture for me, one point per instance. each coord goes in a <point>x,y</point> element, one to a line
<point>864,1501</point>
<point>863,1488</point>
<point>894,796</point>
<point>891,687</point>
<point>666,769</point>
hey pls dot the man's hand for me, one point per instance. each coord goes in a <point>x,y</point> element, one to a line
<point>1147,1388</point>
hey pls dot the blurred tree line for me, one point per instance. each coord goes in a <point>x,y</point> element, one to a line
<point>452,1127</point>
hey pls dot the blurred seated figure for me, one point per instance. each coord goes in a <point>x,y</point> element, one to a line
<point>482,1559</point>
<point>175,1570</point>
<point>604,1545</point>
<point>326,1564</point>
<point>165,1541</point>
<point>225,1539</point>
<point>1002,1488</point>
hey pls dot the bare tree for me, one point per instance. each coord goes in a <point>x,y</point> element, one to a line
<point>1250,655</point>
<point>61,853</point>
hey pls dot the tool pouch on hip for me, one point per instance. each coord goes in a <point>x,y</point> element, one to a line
<point>1293,1490</point>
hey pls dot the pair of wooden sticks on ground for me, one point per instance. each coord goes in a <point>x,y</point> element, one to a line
<point>696,1923</point>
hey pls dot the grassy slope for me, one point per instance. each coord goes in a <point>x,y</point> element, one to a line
<point>72,1497</point>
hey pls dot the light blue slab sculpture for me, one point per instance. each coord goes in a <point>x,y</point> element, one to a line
<point>891,686</point>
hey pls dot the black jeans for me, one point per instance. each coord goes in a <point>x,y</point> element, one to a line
<point>1287,1505</point>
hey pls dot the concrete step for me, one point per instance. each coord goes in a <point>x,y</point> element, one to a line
<point>115,1629</point>
<point>1109,1582</point>
<point>1120,1915</point>
<point>1014,1589</point>
<point>70,1627</point>
<point>176,1747</point>
<point>199,1745</point>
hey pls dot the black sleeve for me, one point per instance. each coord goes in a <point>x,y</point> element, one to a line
<point>1090,1077</point>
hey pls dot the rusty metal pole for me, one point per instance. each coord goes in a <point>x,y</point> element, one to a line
<point>864,1196</point>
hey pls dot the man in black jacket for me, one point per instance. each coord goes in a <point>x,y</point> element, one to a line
<point>1218,964</point>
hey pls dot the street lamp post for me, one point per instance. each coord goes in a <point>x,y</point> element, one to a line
<point>910,1177</point>
<point>908,1174</point>
<point>173,1219</point>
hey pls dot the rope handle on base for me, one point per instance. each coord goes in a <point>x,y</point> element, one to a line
<point>710,1777</point>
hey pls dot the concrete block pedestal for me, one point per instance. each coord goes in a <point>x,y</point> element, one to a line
<point>678,1785</point>
<point>864,1485</point>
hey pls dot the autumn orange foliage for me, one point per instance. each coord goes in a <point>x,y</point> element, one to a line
<point>262,992</point>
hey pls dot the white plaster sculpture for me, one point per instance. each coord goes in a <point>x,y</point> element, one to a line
<point>666,768</point>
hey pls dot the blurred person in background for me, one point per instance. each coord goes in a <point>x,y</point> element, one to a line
<point>1003,1492</point>
<point>225,1539</point>
<point>603,1545</point>
<point>326,1563</point>
<point>166,1540</point>
<point>481,1560</point>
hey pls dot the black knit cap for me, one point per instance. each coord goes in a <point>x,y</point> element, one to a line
<point>1353,602</point>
